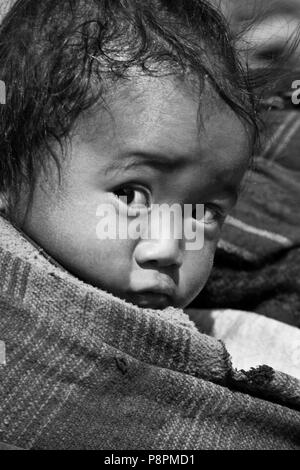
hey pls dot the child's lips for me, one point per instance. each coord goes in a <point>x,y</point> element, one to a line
<point>152,300</point>
<point>157,296</point>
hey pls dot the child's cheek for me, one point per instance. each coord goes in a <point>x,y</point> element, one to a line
<point>195,272</point>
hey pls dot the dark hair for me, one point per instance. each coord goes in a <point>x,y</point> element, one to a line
<point>57,55</point>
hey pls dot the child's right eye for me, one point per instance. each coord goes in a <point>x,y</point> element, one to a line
<point>133,196</point>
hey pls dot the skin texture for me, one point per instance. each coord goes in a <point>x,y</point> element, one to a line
<point>151,127</point>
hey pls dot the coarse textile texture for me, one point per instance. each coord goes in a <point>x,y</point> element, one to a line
<point>85,370</point>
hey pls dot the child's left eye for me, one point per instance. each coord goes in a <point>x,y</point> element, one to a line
<point>134,197</point>
<point>211,214</point>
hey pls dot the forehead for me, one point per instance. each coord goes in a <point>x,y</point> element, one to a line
<point>167,117</point>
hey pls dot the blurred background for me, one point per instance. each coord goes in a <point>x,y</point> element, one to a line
<point>266,26</point>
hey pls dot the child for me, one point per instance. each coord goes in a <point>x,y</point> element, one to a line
<point>130,104</point>
<point>146,142</point>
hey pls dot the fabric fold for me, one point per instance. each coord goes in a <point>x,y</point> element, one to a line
<point>85,369</point>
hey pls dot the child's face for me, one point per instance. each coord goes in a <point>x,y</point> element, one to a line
<point>147,146</point>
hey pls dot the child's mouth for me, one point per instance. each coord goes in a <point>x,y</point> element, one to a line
<point>152,300</point>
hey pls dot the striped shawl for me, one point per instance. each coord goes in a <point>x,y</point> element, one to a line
<point>84,370</point>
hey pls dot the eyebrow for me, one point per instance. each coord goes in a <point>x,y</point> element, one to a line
<point>157,161</point>
<point>161,162</point>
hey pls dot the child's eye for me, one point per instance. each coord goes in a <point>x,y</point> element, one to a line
<point>133,196</point>
<point>212,214</point>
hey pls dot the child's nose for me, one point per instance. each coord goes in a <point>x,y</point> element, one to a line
<point>162,252</point>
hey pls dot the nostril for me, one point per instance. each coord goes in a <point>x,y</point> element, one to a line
<point>159,253</point>
<point>161,263</point>
<point>167,257</point>
<point>172,260</point>
<point>175,261</point>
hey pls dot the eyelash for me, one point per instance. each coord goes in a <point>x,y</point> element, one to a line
<point>134,187</point>
<point>219,213</point>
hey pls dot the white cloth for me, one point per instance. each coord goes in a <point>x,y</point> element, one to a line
<point>253,339</point>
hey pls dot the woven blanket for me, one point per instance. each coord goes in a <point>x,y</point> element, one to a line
<point>82,369</point>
